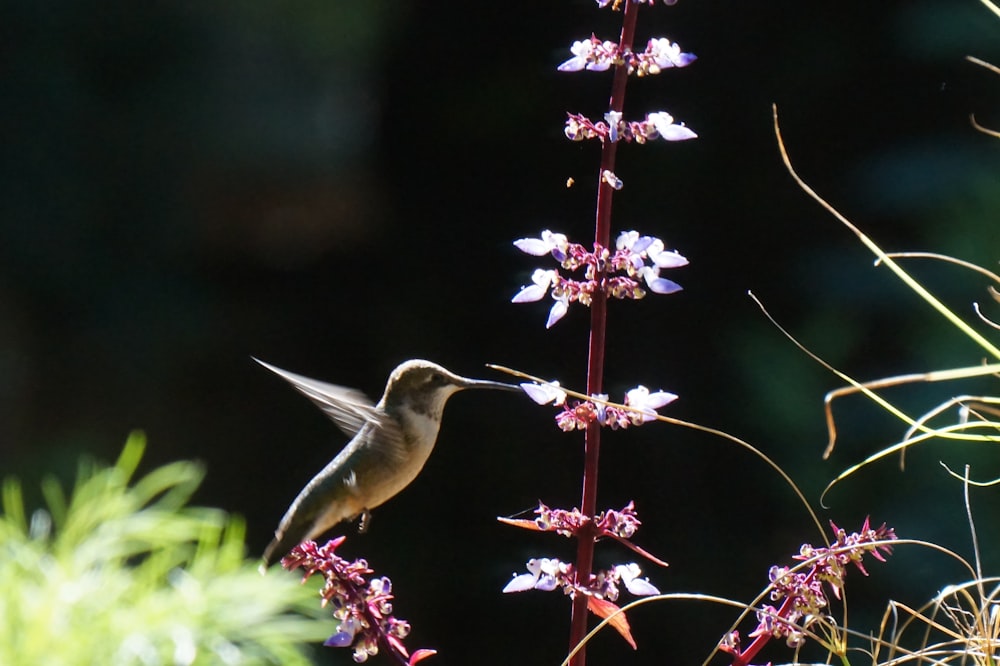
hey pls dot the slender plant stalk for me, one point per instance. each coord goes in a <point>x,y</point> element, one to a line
<point>595,363</point>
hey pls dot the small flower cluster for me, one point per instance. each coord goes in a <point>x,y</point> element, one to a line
<point>656,125</point>
<point>548,574</point>
<point>601,588</point>
<point>599,56</point>
<point>808,601</point>
<point>621,524</point>
<point>635,258</point>
<point>830,562</point>
<point>562,522</point>
<point>363,606</point>
<point>802,596</point>
<point>639,407</point>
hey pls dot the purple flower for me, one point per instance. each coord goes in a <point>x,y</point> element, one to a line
<point>801,593</point>
<point>657,284</point>
<point>632,241</point>
<point>345,633</point>
<point>362,604</point>
<point>634,250</point>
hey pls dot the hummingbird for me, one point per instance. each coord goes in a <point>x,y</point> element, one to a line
<point>390,442</point>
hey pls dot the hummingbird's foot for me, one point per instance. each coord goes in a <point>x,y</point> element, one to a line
<point>365,522</point>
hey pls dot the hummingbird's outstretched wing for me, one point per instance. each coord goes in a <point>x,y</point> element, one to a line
<point>349,408</point>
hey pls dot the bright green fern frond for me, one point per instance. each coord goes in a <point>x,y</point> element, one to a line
<point>122,571</point>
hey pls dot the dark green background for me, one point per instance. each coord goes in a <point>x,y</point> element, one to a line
<point>334,187</point>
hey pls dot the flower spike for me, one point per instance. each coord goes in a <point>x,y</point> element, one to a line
<point>636,261</point>
<point>361,604</point>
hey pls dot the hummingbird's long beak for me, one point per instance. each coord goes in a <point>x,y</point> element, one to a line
<point>486,384</point>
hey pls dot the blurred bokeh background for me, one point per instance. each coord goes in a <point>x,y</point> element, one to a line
<point>334,187</point>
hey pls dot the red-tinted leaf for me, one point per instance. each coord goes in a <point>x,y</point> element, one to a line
<point>419,655</point>
<point>521,522</point>
<point>605,609</point>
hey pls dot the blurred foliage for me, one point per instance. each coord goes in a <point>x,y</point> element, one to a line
<point>123,572</point>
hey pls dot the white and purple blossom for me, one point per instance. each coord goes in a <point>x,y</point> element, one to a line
<point>550,243</point>
<point>633,242</point>
<point>664,127</point>
<point>547,574</point>
<point>637,261</point>
<point>598,56</point>
<point>633,252</point>
<point>362,603</point>
<point>543,574</point>
<point>656,125</point>
<point>629,574</point>
<point>541,280</point>
<point>609,177</point>
<point>645,403</point>
<point>557,311</point>
<point>640,407</point>
<point>666,54</point>
<point>614,120</point>
<point>581,51</point>
<point>662,257</point>
<point>544,394</point>
<point>592,54</point>
<point>656,284</point>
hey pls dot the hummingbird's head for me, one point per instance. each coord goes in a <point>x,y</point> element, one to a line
<point>424,387</point>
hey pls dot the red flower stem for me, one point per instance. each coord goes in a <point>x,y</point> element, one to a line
<point>595,364</point>
<point>744,657</point>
